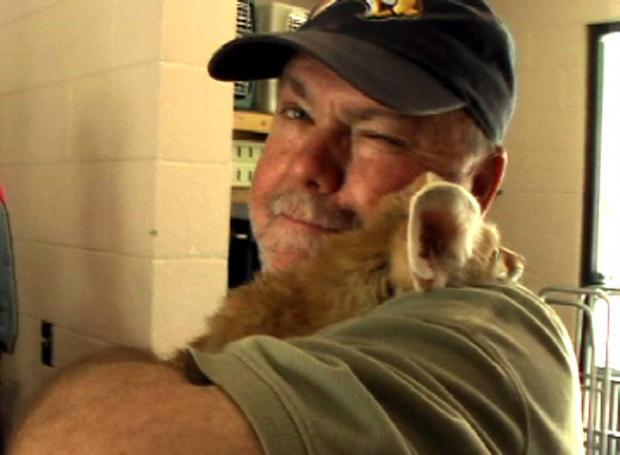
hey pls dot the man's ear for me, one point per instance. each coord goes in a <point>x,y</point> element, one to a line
<point>488,176</point>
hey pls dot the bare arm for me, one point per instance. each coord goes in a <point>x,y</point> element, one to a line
<point>129,403</point>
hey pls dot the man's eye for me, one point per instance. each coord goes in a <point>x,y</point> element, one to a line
<point>390,140</point>
<point>294,113</point>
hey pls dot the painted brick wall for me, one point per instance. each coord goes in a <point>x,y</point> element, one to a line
<point>115,154</point>
<point>540,212</point>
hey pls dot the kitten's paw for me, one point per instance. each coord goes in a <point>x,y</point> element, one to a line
<point>512,264</point>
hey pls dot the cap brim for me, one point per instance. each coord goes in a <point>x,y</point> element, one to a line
<point>381,75</point>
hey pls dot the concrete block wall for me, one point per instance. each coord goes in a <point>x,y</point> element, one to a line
<point>115,156</point>
<point>540,212</point>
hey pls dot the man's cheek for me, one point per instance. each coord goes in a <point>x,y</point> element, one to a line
<point>369,187</point>
<point>268,175</point>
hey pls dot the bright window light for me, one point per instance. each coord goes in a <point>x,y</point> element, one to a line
<point>608,244</point>
<point>609,209</point>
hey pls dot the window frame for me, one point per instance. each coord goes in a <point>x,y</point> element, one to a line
<point>590,276</point>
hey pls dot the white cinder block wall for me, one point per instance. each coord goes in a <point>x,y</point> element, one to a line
<point>115,155</point>
<point>540,212</point>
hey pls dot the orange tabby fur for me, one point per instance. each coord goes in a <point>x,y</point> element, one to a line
<point>428,236</point>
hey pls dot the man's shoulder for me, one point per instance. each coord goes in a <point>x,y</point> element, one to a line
<point>473,303</point>
<point>481,312</point>
<point>489,355</point>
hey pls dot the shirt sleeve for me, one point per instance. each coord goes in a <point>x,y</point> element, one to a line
<point>471,371</point>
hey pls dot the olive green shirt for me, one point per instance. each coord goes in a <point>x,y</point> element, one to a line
<point>454,371</point>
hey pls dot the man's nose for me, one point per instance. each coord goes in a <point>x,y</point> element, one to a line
<point>320,164</point>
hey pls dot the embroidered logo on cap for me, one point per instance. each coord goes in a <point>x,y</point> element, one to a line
<point>379,9</point>
<point>394,8</point>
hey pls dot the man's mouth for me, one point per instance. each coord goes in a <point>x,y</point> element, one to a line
<point>312,225</point>
<point>313,213</point>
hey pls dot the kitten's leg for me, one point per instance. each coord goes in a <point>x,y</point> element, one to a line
<point>444,222</point>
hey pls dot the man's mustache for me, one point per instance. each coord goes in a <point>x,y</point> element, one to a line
<point>314,209</point>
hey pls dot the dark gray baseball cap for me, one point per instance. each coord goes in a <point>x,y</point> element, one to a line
<point>418,57</point>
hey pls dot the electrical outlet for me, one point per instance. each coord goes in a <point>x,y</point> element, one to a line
<point>245,157</point>
<point>247,151</point>
<point>47,343</point>
<point>243,173</point>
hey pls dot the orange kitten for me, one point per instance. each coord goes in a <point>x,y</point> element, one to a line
<point>428,236</point>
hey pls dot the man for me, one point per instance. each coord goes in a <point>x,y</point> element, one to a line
<point>368,100</point>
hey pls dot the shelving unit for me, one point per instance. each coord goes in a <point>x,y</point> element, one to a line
<point>250,130</point>
<point>240,195</point>
<point>249,125</point>
<point>252,122</point>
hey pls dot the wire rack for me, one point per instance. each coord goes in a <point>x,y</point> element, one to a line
<point>600,385</point>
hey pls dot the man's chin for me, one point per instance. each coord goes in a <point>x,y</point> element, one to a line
<point>282,260</point>
<point>291,247</point>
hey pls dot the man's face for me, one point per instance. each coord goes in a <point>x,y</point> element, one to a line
<point>333,153</point>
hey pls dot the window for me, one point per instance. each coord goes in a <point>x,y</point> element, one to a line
<point>602,261</point>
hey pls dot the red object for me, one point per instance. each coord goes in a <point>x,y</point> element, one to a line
<point>2,196</point>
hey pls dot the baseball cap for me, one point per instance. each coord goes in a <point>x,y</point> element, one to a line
<point>418,57</point>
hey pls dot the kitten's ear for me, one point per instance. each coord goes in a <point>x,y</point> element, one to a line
<point>397,203</point>
<point>423,181</point>
<point>444,220</point>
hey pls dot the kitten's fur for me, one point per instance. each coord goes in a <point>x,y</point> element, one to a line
<point>428,236</point>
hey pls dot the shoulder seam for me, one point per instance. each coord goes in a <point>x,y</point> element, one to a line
<point>511,374</point>
<point>306,442</point>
